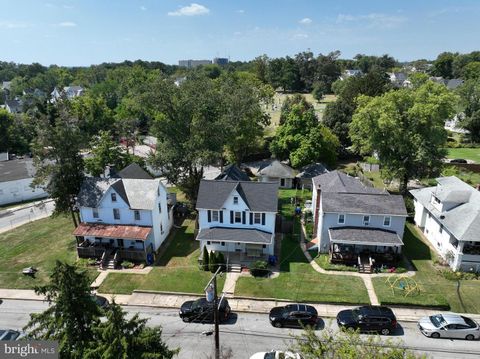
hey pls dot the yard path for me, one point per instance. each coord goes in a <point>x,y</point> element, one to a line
<point>230,282</point>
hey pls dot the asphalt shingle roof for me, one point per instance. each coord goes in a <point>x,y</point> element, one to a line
<point>312,170</point>
<point>232,173</point>
<point>367,236</point>
<point>277,169</point>
<point>243,235</point>
<point>364,203</point>
<point>259,196</point>
<point>337,181</point>
<point>134,170</point>
<point>16,169</point>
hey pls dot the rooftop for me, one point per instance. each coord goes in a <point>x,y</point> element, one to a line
<point>277,169</point>
<point>364,203</point>
<point>337,182</point>
<point>365,236</point>
<point>112,231</point>
<point>232,173</point>
<point>18,169</point>
<point>243,235</point>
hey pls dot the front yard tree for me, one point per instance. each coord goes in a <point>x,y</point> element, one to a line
<point>405,128</point>
<point>118,337</point>
<point>57,158</point>
<point>205,259</point>
<point>470,100</point>
<point>71,315</point>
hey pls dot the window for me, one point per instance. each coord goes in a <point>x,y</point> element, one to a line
<point>238,217</point>
<point>159,208</point>
<point>161,228</point>
<point>223,243</point>
<point>386,221</point>
<point>341,219</point>
<point>441,229</point>
<point>366,220</point>
<point>214,216</point>
<point>235,200</point>
<point>114,197</point>
<point>116,213</point>
<point>282,182</point>
<point>137,215</point>
<point>95,212</point>
<point>257,218</point>
<point>436,200</point>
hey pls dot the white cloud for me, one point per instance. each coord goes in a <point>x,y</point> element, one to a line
<point>67,24</point>
<point>191,10</point>
<point>306,21</point>
<point>374,20</point>
<point>143,8</point>
<point>241,11</point>
<point>13,25</point>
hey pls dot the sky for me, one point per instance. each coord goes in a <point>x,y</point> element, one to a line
<point>85,32</point>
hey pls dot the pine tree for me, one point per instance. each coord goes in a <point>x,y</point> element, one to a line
<point>213,262</point>
<point>205,261</point>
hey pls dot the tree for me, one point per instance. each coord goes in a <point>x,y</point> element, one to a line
<point>337,117</point>
<point>319,91</point>
<point>105,152</point>
<point>470,101</point>
<point>93,114</point>
<point>306,64</point>
<point>405,128</point>
<point>347,345</point>
<point>6,127</point>
<point>57,157</point>
<point>443,65</point>
<point>328,69</point>
<point>71,315</point>
<point>213,262</point>
<point>472,71</point>
<point>118,337</point>
<point>205,259</point>
<point>418,79</point>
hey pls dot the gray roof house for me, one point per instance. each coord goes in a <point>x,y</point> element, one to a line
<point>279,172</point>
<point>449,216</point>
<point>306,173</point>
<point>356,224</point>
<point>13,106</point>
<point>232,173</point>
<point>237,218</point>
<point>134,171</point>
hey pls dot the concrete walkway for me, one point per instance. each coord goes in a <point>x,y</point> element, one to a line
<point>16,216</point>
<point>230,282</point>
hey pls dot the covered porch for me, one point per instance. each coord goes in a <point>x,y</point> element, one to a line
<point>364,246</point>
<point>114,242</point>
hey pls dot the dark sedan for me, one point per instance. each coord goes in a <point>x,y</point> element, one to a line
<point>202,311</point>
<point>294,315</point>
<point>377,319</point>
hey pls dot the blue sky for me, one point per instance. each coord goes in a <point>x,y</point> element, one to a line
<point>84,32</point>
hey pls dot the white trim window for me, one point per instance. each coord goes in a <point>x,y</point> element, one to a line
<point>215,216</point>
<point>235,200</point>
<point>95,212</point>
<point>238,217</point>
<point>116,213</point>
<point>136,214</point>
<point>341,218</point>
<point>257,218</point>
<point>366,220</point>
<point>387,221</point>
<point>113,196</point>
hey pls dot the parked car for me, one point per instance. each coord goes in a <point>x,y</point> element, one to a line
<point>368,319</point>
<point>202,311</point>
<point>10,334</point>
<point>102,302</point>
<point>458,160</point>
<point>449,326</point>
<point>293,315</point>
<point>275,354</point>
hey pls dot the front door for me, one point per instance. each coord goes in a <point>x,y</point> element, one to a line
<point>120,242</point>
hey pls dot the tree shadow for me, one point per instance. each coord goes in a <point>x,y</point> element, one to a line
<point>414,247</point>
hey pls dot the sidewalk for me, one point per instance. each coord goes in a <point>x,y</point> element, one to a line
<point>175,300</point>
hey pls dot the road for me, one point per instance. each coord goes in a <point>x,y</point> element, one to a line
<point>15,217</point>
<point>245,333</point>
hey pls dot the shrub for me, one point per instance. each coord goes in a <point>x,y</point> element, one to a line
<point>127,264</point>
<point>212,262</point>
<point>451,275</point>
<point>259,269</point>
<point>205,259</point>
<point>86,262</point>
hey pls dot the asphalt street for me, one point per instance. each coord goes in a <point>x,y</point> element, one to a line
<point>244,334</point>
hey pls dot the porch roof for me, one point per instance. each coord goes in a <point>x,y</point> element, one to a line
<point>112,231</point>
<point>364,236</point>
<point>242,235</point>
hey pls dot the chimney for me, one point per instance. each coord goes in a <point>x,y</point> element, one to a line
<point>478,186</point>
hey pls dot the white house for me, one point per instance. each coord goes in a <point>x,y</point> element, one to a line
<point>356,223</point>
<point>350,72</point>
<point>68,91</point>
<point>237,218</point>
<point>122,218</point>
<point>449,216</point>
<point>278,172</point>
<point>16,177</point>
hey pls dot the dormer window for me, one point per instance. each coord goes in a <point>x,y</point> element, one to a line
<point>235,200</point>
<point>114,197</point>
<point>386,221</point>
<point>341,219</point>
<point>436,200</point>
<point>366,220</point>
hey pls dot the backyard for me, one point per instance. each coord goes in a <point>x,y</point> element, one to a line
<point>39,244</point>
<point>175,271</point>
<point>472,154</point>
<point>435,290</point>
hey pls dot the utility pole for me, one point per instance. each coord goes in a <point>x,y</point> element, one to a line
<point>215,310</point>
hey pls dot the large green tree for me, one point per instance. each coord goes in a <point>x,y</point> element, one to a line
<point>470,100</point>
<point>405,128</point>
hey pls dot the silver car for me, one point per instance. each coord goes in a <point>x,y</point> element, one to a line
<point>449,326</point>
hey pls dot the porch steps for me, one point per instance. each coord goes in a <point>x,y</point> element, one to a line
<point>235,268</point>
<point>111,264</point>
<point>365,268</point>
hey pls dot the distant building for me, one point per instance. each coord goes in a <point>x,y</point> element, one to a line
<point>349,73</point>
<point>14,106</point>
<point>220,61</point>
<point>69,92</point>
<point>190,64</point>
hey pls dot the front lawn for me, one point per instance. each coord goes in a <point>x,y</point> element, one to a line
<point>175,271</point>
<point>465,153</point>
<point>435,290</point>
<point>38,244</point>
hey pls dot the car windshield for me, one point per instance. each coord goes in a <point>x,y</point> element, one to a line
<point>469,322</point>
<point>196,304</point>
<point>11,335</point>
<point>270,355</point>
<point>356,314</point>
<point>437,320</point>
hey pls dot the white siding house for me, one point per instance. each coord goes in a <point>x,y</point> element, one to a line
<point>128,218</point>
<point>449,216</point>
<point>278,172</point>
<point>237,218</point>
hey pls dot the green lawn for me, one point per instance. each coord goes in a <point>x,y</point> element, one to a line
<point>435,290</point>
<point>39,244</point>
<point>465,153</point>
<point>175,271</point>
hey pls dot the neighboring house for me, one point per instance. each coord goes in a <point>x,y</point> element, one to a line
<point>237,218</point>
<point>69,92</point>
<point>122,219</point>
<point>232,173</point>
<point>398,79</point>
<point>179,80</point>
<point>307,172</point>
<point>6,85</point>
<point>16,176</point>
<point>134,171</point>
<point>449,216</point>
<point>279,172</point>
<point>349,73</point>
<point>357,224</point>
<point>452,84</point>
<point>14,106</point>
<point>454,124</point>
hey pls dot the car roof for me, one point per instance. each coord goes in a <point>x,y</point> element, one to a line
<point>453,319</point>
<point>301,308</point>
<point>376,310</point>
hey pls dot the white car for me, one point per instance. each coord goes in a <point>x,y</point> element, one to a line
<point>276,354</point>
<point>449,326</point>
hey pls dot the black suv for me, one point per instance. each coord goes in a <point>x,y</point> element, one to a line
<point>293,315</point>
<point>368,319</point>
<point>202,311</point>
